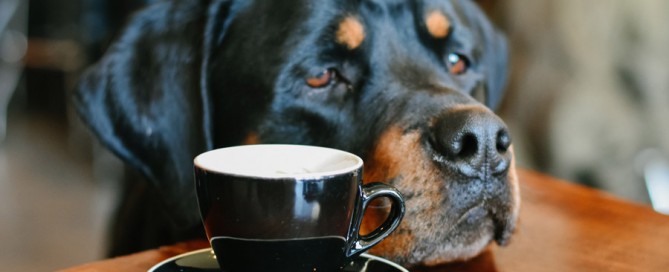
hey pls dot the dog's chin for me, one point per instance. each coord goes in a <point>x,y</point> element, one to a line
<point>463,243</point>
<point>474,231</point>
<point>442,240</point>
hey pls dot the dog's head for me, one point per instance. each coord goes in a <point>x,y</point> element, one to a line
<point>403,84</point>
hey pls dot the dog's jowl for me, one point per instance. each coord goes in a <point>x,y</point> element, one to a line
<point>407,85</point>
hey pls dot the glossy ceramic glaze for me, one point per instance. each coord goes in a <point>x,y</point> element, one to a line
<point>287,218</point>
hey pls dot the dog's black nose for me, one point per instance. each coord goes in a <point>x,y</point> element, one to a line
<point>473,140</point>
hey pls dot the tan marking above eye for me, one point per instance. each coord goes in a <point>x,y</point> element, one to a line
<point>350,33</point>
<point>437,24</point>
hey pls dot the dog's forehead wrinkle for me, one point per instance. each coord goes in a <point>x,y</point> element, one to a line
<point>419,70</point>
<point>385,6</point>
<point>400,52</point>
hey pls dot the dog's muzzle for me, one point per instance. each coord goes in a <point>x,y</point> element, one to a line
<point>457,174</point>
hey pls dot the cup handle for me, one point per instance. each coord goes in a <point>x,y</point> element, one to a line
<point>369,192</point>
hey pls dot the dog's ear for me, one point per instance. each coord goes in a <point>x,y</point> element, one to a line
<point>147,100</point>
<point>495,54</point>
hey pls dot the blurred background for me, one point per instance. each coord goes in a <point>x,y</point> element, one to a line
<point>587,101</point>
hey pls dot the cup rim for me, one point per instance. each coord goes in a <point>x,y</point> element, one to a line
<point>203,161</point>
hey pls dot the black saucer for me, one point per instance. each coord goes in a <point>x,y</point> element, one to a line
<point>203,260</point>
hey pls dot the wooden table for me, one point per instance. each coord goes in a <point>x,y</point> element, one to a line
<point>563,227</point>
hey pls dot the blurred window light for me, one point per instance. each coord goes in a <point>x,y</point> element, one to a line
<point>654,166</point>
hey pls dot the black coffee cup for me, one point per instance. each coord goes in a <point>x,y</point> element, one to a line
<point>287,207</point>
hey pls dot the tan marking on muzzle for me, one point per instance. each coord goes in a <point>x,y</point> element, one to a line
<point>515,186</point>
<point>395,154</point>
<point>437,24</point>
<point>350,33</point>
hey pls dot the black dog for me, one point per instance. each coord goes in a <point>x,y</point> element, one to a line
<point>393,81</point>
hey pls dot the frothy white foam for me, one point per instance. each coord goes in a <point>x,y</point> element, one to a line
<point>278,161</point>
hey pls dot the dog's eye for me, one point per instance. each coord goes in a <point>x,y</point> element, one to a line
<point>321,80</point>
<point>457,64</point>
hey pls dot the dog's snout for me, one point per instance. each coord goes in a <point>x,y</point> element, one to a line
<point>473,140</point>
